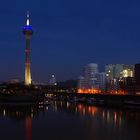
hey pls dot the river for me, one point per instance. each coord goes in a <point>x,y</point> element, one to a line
<point>68,121</point>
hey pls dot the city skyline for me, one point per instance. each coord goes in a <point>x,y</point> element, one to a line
<point>70,70</point>
<point>69,35</point>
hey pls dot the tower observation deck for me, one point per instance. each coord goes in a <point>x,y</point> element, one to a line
<point>27,31</point>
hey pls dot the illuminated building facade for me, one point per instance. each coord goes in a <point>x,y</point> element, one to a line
<point>116,74</point>
<point>27,31</point>
<point>119,70</point>
<point>92,81</point>
<point>101,80</point>
<point>91,70</point>
<point>81,82</point>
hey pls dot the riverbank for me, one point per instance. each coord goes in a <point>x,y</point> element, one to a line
<point>118,101</point>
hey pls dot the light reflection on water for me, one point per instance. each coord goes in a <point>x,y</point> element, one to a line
<point>28,127</point>
<point>68,121</point>
<point>114,116</point>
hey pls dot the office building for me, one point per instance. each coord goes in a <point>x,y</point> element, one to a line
<point>115,73</point>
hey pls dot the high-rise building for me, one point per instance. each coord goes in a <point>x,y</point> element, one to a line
<point>127,84</point>
<point>137,78</point>
<point>27,31</point>
<point>101,80</point>
<point>81,82</point>
<point>119,70</point>
<point>137,74</point>
<point>116,73</point>
<point>91,70</point>
<point>92,81</point>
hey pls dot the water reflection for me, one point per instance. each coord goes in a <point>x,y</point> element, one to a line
<point>68,121</point>
<point>18,112</point>
<point>110,117</point>
<point>22,113</point>
<point>28,127</point>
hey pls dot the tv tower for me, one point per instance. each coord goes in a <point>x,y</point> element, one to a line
<point>27,31</point>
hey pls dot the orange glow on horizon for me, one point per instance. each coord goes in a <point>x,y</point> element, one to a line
<point>98,91</point>
<point>89,91</point>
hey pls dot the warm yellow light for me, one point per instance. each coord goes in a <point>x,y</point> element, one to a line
<point>28,79</point>
<point>127,73</point>
<point>118,92</point>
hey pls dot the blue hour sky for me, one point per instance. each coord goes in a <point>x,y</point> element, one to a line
<point>68,34</point>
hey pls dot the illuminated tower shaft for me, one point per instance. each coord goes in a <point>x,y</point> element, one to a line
<point>27,63</point>
<point>27,30</point>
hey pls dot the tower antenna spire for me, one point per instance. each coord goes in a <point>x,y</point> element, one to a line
<point>28,19</point>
